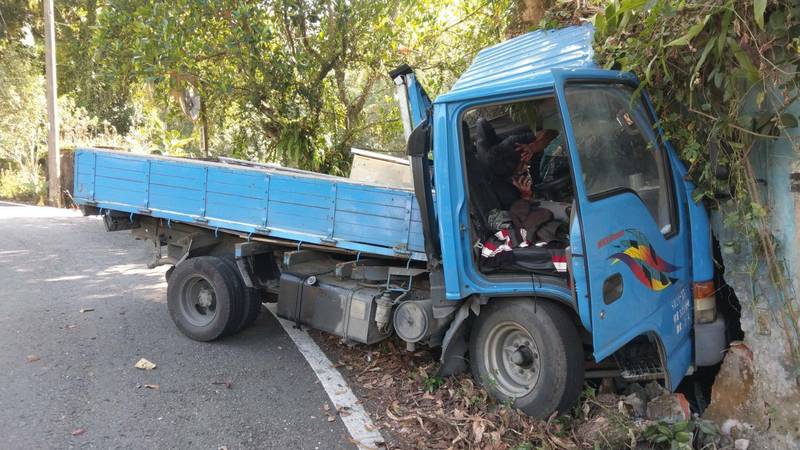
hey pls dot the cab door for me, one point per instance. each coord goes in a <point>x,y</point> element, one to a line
<point>634,249</point>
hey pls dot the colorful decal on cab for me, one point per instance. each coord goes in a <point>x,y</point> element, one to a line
<point>635,251</point>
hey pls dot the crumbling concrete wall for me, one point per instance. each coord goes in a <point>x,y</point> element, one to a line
<point>759,383</point>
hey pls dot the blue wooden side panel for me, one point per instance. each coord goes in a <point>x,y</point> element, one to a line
<point>300,204</point>
<point>302,207</point>
<point>237,197</point>
<point>373,216</point>
<point>84,175</point>
<point>121,180</point>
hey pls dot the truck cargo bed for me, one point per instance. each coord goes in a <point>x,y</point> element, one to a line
<point>269,201</point>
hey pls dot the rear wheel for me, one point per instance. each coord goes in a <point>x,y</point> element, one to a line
<point>202,298</point>
<point>528,352</point>
<point>250,299</point>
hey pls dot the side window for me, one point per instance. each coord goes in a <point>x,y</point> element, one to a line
<point>617,147</point>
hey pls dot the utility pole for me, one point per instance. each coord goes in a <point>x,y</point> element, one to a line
<point>53,155</point>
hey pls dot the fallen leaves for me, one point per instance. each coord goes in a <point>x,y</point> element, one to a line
<point>478,427</point>
<point>406,399</point>
<point>144,364</point>
<point>326,409</point>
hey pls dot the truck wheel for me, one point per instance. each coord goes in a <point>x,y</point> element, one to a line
<point>250,300</point>
<point>529,352</point>
<point>202,298</point>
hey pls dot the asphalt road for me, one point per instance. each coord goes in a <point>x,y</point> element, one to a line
<point>53,263</point>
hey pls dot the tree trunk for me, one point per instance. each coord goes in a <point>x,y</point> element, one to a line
<point>527,15</point>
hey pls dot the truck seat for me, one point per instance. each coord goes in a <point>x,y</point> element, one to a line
<point>550,259</point>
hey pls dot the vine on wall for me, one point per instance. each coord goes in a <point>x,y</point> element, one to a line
<point>723,74</point>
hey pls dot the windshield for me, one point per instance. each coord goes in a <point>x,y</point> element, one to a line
<point>617,147</point>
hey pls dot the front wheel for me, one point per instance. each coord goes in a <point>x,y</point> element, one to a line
<point>528,352</point>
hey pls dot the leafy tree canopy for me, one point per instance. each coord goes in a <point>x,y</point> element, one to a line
<point>306,77</point>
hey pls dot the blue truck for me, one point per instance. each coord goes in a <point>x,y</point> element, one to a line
<point>548,235</point>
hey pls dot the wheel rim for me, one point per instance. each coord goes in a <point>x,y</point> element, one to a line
<point>512,359</point>
<point>198,301</point>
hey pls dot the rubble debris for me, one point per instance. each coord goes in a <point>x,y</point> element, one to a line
<point>227,384</point>
<point>653,390</point>
<point>637,401</point>
<point>670,408</point>
<point>78,431</point>
<point>144,364</point>
<point>85,310</point>
<point>152,386</point>
<point>32,358</point>
<point>734,395</point>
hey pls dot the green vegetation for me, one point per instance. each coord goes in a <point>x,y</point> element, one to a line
<point>681,435</point>
<point>432,383</point>
<point>677,436</point>
<point>294,82</point>
<point>21,186</point>
<point>22,123</point>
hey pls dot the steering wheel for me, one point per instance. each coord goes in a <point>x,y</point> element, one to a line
<point>558,176</point>
<point>559,184</point>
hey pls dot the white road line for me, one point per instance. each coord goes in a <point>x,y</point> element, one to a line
<point>358,423</point>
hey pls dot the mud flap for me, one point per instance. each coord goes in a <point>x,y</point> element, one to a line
<point>455,344</point>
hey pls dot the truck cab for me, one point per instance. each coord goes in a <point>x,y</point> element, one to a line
<point>599,222</point>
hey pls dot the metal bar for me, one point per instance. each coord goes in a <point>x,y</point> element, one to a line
<point>147,185</point>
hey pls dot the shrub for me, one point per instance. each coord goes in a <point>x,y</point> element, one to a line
<point>22,187</point>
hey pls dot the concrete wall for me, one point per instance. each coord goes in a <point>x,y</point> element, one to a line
<point>760,383</point>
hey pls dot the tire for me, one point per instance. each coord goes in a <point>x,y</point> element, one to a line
<point>250,300</point>
<point>202,298</point>
<point>545,372</point>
